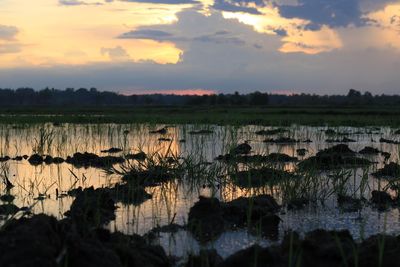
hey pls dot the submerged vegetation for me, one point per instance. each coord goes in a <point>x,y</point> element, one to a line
<point>138,195</point>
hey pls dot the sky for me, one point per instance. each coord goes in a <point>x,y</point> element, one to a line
<point>202,46</point>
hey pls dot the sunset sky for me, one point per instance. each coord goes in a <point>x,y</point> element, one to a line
<point>139,46</point>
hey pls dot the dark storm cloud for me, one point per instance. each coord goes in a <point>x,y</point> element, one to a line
<point>334,13</point>
<point>230,7</point>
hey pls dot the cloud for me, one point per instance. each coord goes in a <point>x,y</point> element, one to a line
<point>10,48</point>
<point>228,69</point>
<point>156,35</point>
<point>333,13</point>
<point>8,42</point>
<point>171,2</point>
<point>224,5</point>
<point>280,32</point>
<point>117,53</point>
<point>8,32</point>
<point>193,27</point>
<point>79,3</point>
<point>218,37</point>
<point>226,55</point>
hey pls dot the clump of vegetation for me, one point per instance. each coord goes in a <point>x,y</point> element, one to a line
<point>257,159</point>
<point>200,132</point>
<point>281,140</point>
<point>272,131</point>
<point>152,171</point>
<point>388,141</point>
<point>260,177</point>
<point>343,140</point>
<point>339,156</point>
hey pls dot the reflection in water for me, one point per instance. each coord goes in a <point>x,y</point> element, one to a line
<point>36,185</point>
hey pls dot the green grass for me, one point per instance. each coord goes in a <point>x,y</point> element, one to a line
<point>274,116</point>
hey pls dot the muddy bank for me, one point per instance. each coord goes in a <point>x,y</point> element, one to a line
<point>321,248</point>
<point>318,248</point>
<point>43,241</point>
<point>77,240</point>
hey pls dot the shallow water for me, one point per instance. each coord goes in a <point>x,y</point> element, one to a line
<point>173,199</point>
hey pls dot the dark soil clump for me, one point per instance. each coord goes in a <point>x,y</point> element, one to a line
<point>8,209</point>
<point>112,150</point>
<point>260,177</point>
<point>206,258</point>
<point>241,149</point>
<point>281,140</point>
<point>92,207</point>
<point>387,141</point>
<point>140,156</point>
<point>150,177</point>
<point>369,151</point>
<point>335,157</point>
<point>391,170</point>
<point>272,131</point>
<point>35,159</point>
<point>208,218</point>
<point>201,132</point>
<point>43,241</point>
<point>92,160</point>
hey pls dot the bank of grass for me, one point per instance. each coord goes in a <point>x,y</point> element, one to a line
<point>274,116</point>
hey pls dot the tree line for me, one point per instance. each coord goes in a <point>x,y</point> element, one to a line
<point>24,97</point>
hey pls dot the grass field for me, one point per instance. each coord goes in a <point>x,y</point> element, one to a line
<point>275,116</point>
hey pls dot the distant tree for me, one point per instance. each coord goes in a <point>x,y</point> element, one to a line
<point>236,99</point>
<point>353,93</point>
<point>147,100</point>
<point>222,99</point>
<point>257,98</point>
<point>93,97</point>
